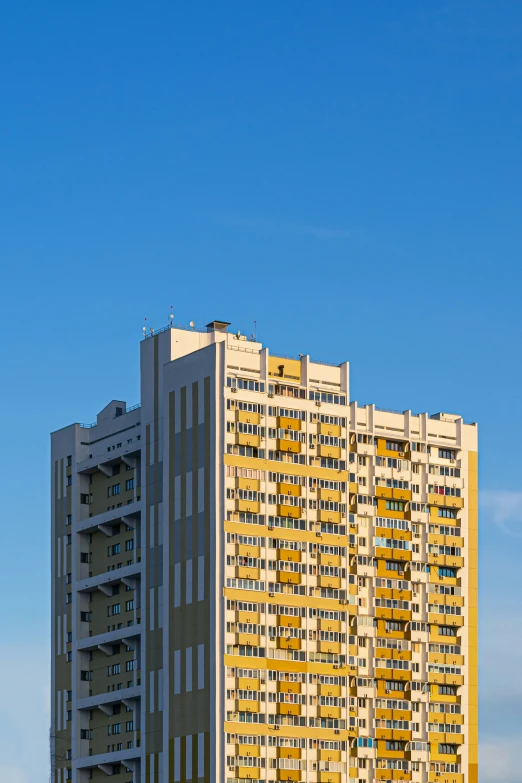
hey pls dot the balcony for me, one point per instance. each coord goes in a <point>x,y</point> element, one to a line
<point>244,439</point>
<point>108,638</point>
<point>288,511</point>
<point>248,417</point>
<point>113,697</point>
<point>329,429</point>
<point>333,452</point>
<point>294,490</point>
<point>284,423</point>
<point>330,495</point>
<point>247,572</point>
<point>130,757</point>
<point>252,506</point>
<point>109,578</point>
<point>289,577</point>
<point>128,514</point>
<point>290,446</point>
<point>248,484</point>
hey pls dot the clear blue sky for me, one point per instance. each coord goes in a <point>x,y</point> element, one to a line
<point>349,174</point>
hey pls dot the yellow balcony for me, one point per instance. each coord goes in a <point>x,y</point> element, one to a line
<point>246,572</point>
<point>382,511</point>
<point>288,687</point>
<point>289,577</point>
<point>288,774</point>
<point>248,750</point>
<point>248,684</point>
<point>329,647</point>
<point>248,639</point>
<point>334,430</point>
<point>330,560</point>
<point>288,644</point>
<point>445,500</point>
<point>292,446</point>
<point>329,690</point>
<point>248,483</point>
<point>294,490</point>
<point>289,753</point>
<point>329,581</point>
<point>382,451</point>
<point>290,555</point>
<point>247,705</point>
<point>248,505</point>
<point>284,423</point>
<point>329,625</point>
<point>248,417</point>
<point>329,516</point>
<point>329,777</point>
<point>289,511</point>
<point>248,617</point>
<point>329,755</point>
<point>283,708</point>
<point>334,452</point>
<point>333,495</point>
<point>329,712</point>
<point>242,439</point>
<point>246,550</point>
<point>288,622</point>
<point>247,773</point>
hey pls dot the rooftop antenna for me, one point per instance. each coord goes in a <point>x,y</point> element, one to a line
<point>171,318</point>
<point>151,330</point>
<point>145,327</point>
<point>255,331</point>
<point>192,324</point>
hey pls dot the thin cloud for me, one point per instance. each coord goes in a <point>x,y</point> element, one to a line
<point>499,760</point>
<point>264,225</point>
<point>505,509</point>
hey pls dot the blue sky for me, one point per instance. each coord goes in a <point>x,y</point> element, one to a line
<point>349,175</point>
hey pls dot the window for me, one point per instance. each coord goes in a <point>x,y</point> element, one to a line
<point>394,505</point>
<point>448,513</point>
<point>129,726</point>
<point>447,453</point>
<point>113,610</point>
<point>130,666</point>
<point>115,470</point>
<point>114,549</point>
<point>114,490</point>
<point>68,520</point>
<point>114,668</point>
<point>129,484</point>
<point>129,545</point>
<point>445,571</point>
<point>444,747</point>
<point>69,481</point>
<point>448,690</point>
<point>115,728</point>
<point>129,605</point>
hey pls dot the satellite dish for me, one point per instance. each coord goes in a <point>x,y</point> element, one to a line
<point>192,324</point>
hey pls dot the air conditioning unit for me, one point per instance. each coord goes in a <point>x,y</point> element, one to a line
<point>270,394</point>
<point>318,403</point>
<point>337,731</point>
<point>336,665</point>
<point>342,600</point>
<point>401,453</point>
<point>319,535</point>
<point>270,527</point>
<point>352,524</point>
<point>312,446</point>
<point>312,489</point>
<point>312,554</point>
<point>272,638</point>
<point>231,769</point>
<point>233,388</point>
<point>452,461</point>
<point>272,595</point>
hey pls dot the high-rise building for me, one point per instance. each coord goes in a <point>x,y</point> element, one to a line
<point>256,579</point>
